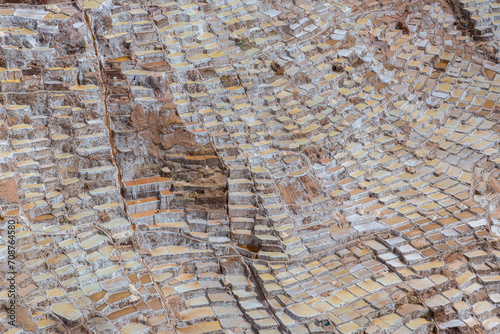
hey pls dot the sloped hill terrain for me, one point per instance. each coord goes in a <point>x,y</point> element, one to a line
<point>250,167</point>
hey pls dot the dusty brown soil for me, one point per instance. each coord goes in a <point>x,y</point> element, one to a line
<point>8,191</point>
